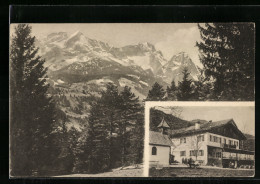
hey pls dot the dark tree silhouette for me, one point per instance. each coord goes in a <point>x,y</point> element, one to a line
<point>171,91</point>
<point>227,54</point>
<point>131,119</point>
<point>203,88</point>
<point>157,93</point>
<point>115,131</point>
<point>32,124</point>
<point>185,89</point>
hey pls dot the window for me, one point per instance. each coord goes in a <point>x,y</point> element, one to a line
<point>229,142</point>
<point>154,150</point>
<point>183,153</point>
<point>236,143</point>
<point>183,140</point>
<point>225,141</point>
<point>216,139</point>
<point>201,153</point>
<point>218,154</point>
<point>210,138</point>
<point>192,153</point>
<point>200,138</point>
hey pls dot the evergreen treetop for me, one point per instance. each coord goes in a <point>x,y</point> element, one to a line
<point>171,91</point>
<point>157,93</point>
<point>185,88</point>
<point>227,54</point>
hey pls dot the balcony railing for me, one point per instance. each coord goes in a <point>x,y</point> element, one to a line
<point>228,146</point>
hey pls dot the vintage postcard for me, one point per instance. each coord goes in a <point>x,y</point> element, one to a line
<point>78,93</point>
<point>200,139</point>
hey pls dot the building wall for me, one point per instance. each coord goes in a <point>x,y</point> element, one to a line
<point>161,158</point>
<point>187,147</point>
<point>192,145</point>
<point>215,144</point>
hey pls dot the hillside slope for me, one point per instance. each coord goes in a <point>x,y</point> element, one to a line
<point>156,117</point>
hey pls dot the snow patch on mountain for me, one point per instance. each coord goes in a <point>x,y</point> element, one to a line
<point>142,61</point>
<point>144,83</point>
<point>100,81</point>
<point>126,82</point>
<point>134,76</point>
<point>60,81</point>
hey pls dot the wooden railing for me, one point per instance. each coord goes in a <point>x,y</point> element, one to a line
<point>228,146</point>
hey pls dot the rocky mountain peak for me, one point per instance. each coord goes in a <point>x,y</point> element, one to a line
<point>56,37</point>
<point>174,67</point>
<point>76,34</point>
<point>146,46</point>
<point>75,37</point>
<point>180,57</point>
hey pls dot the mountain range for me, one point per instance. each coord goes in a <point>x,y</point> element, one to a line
<point>88,58</point>
<point>79,68</point>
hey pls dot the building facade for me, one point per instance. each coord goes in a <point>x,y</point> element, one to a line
<point>212,143</point>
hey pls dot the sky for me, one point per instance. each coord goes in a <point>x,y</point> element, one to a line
<point>170,38</point>
<point>244,116</point>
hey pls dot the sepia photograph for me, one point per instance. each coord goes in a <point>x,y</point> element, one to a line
<point>201,139</point>
<point>78,93</point>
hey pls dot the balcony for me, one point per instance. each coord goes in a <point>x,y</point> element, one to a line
<point>228,146</point>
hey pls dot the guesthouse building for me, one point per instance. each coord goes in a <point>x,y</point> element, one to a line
<point>217,143</point>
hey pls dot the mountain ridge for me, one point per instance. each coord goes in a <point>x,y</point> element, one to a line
<point>61,50</point>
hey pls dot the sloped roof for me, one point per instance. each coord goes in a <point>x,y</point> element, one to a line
<point>204,127</point>
<point>163,124</point>
<point>159,139</point>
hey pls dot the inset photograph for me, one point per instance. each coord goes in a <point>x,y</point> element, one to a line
<point>201,139</point>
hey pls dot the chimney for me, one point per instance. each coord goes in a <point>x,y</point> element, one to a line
<point>197,125</point>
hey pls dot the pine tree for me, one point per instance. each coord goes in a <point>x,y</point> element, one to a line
<point>137,139</point>
<point>97,148</point>
<point>227,54</point>
<point>101,144</point>
<point>171,91</point>
<point>32,111</point>
<point>185,89</point>
<point>130,118</point>
<point>203,87</point>
<point>115,131</point>
<point>157,93</point>
<point>111,101</point>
